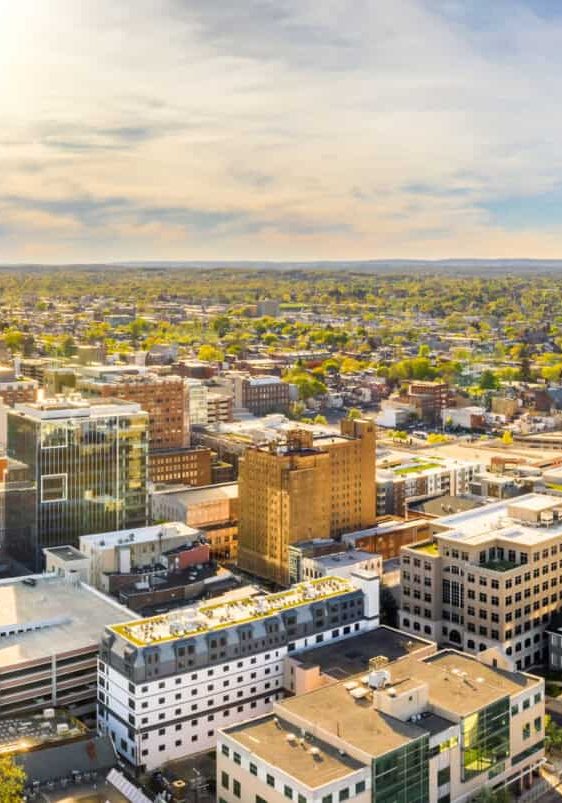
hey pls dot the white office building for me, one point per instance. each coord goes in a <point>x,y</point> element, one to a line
<point>168,683</point>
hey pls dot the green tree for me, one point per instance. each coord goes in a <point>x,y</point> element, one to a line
<point>67,345</point>
<point>138,327</point>
<point>13,339</point>
<point>436,437</point>
<point>221,325</point>
<point>489,381</point>
<point>353,413</point>
<point>507,438</point>
<point>209,353</point>
<point>551,372</point>
<point>12,781</point>
<point>308,385</point>
<point>553,735</point>
<point>349,365</point>
<point>320,419</point>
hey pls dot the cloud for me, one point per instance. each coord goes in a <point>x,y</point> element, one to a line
<point>280,128</point>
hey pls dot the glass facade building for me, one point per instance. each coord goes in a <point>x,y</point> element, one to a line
<point>87,472</point>
<point>402,776</point>
<point>485,739</point>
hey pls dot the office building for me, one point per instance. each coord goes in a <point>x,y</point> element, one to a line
<point>219,407</point>
<point>488,578</point>
<point>67,561</point>
<point>404,480</point>
<point>166,684</point>
<point>388,536</point>
<point>429,399</point>
<point>86,467</point>
<point>198,402</point>
<point>313,487</point>
<point>261,394</point>
<point>127,551</point>
<point>164,398</point>
<point>554,635</point>
<point>180,466</point>
<point>212,510</point>
<point>19,391</point>
<point>418,729</point>
<point>323,557</point>
<point>50,628</point>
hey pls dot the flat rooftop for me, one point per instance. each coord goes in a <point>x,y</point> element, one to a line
<point>225,613</point>
<point>267,739</point>
<point>66,553</point>
<point>462,684</point>
<point>345,658</point>
<point>339,560</point>
<point>205,493</point>
<point>31,732</point>
<point>332,709</point>
<point>456,683</point>
<point>52,615</point>
<point>479,526</point>
<point>76,408</point>
<point>448,505</point>
<point>139,535</point>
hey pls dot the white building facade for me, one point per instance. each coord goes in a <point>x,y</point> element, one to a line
<point>167,684</point>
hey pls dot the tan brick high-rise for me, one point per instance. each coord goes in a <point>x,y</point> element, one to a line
<point>312,488</point>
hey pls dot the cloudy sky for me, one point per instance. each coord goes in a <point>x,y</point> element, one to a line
<point>280,129</point>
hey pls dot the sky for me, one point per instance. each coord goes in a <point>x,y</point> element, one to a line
<point>280,129</point>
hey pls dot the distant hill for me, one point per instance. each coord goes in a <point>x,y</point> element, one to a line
<point>473,267</point>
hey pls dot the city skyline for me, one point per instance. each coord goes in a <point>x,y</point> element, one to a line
<point>279,130</point>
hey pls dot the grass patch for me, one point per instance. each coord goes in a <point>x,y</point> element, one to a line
<point>427,549</point>
<point>416,469</point>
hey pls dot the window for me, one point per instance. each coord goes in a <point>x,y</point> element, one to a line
<point>236,788</point>
<point>253,769</point>
<point>288,792</point>
<point>224,780</point>
<point>236,758</point>
<point>443,776</point>
<point>485,739</point>
<point>270,780</point>
<point>526,732</point>
<point>359,787</point>
<point>225,750</point>
<point>53,488</point>
<point>344,794</point>
<point>53,435</point>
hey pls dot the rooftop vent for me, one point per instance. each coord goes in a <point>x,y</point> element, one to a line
<point>378,679</point>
